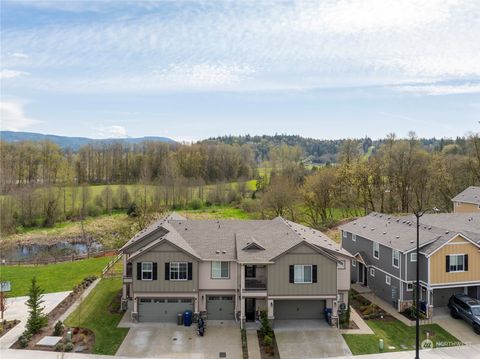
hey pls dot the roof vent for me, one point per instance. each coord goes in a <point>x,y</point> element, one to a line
<point>384,232</point>
<point>397,237</point>
<point>447,232</point>
<point>429,227</point>
<point>398,219</point>
<point>217,251</point>
<point>364,226</point>
<point>372,229</point>
<point>224,252</point>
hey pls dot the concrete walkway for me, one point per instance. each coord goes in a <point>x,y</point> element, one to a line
<point>457,327</point>
<point>363,327</point>
<point>17,309</point>
<point>253,346</point>
<point>79,300</point>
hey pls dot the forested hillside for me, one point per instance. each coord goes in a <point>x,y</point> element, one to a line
<point>43,184</point>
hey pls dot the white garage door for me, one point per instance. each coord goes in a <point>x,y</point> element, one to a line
<point>162,309</point>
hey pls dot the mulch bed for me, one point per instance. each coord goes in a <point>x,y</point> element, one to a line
<point>7,325</point>
<point>265,352</point>
<point>83,336</point>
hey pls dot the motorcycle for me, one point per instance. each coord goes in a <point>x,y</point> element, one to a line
<point>201,327</point>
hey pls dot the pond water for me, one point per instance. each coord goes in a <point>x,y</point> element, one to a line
<point>45,251</point>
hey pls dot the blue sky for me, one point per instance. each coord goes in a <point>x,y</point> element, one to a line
<point>191,70</point>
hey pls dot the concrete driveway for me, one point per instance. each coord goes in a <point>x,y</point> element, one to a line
<point>163,340</point>
<point>457,327</point>
<point>309,339</point>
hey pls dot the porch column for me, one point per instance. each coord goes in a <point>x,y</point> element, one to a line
<point>270,305</point>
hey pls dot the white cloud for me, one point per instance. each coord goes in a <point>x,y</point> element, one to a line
<point>13,118</point>
<point>10,74</point>
<point>440,89</point>
<point>114,131</point>
<point>19,55</point>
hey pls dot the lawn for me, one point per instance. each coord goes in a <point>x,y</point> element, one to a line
<point>51,277</point>
<point>394,333</point>
<point>95,315</point>
<point>217,212</point>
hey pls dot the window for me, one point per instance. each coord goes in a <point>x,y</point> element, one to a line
<point>341,298</point>
<point>388,280</point>
<point>250,272</point>
<point>147,270</point>
<point>372,272</point>
<point>354,263</point>
<point>344,234</point>
<point>354,237</point>
<point>395,258</point>
<point>341,264</point>
<point>413,257</point>
<point>457,263</point>
<point>409,287</point>
<point>376,250</point>
<point>220,270</point>
<point>178,271</point>
<point>302,274</point>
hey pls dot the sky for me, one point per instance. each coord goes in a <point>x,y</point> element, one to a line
<point>190,70</point>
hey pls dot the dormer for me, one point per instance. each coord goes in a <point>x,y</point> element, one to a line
<point>253,244</point>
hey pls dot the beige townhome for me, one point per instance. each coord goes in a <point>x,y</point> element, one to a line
<point>232,269</point>
<point>467,201</point>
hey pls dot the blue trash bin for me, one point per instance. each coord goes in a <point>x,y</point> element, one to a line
<point>187,318</point>
<point>328,314</point>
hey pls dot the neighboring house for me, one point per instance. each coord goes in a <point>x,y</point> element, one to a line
<point>232,269</point>
<point>467,201</point>
<point>384,248</point>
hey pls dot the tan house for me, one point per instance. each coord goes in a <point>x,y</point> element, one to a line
<point>231,269</point>
<point>467,201</point>
<point>384,247</point>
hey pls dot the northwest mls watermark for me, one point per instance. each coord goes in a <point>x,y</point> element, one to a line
<point>430,344</point>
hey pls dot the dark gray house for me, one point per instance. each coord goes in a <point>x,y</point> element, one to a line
<point>385,258</point>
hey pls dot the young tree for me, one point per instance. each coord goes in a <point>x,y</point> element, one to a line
<point>37,319</point>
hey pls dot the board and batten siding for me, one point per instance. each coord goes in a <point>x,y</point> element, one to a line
<point>278,274</point>
<point>161,254</point>
<point>458,245</point>
<point>463,207</point>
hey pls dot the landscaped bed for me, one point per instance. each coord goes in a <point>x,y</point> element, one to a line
<point>396,335</point>
<point>99,313</point>
<point>7,325</point>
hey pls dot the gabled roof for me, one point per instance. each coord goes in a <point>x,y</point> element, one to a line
<point>363,258</point>
<point>400,232</point>
<point>469,195</point>
<point>253,241</point>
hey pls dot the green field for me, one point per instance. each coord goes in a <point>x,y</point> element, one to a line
<point>51,277</point>
<point>94,314</point>
<point>395,334</point>
<point>217,212</point>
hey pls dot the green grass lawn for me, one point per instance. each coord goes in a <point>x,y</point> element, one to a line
<point>51,277</point>
<point>95,315</point>
<point>394,333</point>
<point>217,212</point>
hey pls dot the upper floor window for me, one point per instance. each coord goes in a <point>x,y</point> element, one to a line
<point>341,264</point>
<point>388,280</point>
<point>354,263</point>
<point>354,237</point>
<point>457,263</point>
<point>147,270</point>
<point>395,258</point>
<point>372,272</point>
<point>376,250</point>
<point>178,270</point>
<point>344,234</point>
<point>220,270</point>
<point>413,257</point>
<point>302,274</point>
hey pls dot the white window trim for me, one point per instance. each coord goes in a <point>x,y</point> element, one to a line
<point>463,264</point>
<point>147,271</point>
<point>354,263</point>
<point>303,271</point>
<point>342,264</point>
<point>372,272</point>
<point>220,277</point>
<point>344,234</point>
<point>393,258</point>
<point>388,280</point>
<point>411,257</point>
<point>354,237</point>
<point>378,251</point>
<point>178,267</point>
<point>411,289</point>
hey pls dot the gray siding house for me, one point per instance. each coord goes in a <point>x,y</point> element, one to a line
<point>230,270</point>
<point>385,257</point>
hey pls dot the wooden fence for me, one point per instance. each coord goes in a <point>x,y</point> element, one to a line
<point>59,259</point>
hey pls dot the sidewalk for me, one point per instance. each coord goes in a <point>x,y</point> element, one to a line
<point>363,327</point>
<point>253,346</point>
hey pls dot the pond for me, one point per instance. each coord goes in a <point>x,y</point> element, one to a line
<point>30,252</point>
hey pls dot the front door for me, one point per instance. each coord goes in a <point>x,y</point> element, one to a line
<point>360,272</point>
<point>250,309</point>
<point>365,276</point>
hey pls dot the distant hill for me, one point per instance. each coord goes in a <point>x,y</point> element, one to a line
<point>73,143</point>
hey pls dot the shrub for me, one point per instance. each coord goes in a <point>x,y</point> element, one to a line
<point>59,347</point>
<point>133,210</point>
<point>196,204</point>
<point>267,341</point>
<point>58,329</point>
<point>69,347</point>
<point>23,341</point>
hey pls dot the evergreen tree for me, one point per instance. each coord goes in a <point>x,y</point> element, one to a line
<point>37,319</point>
